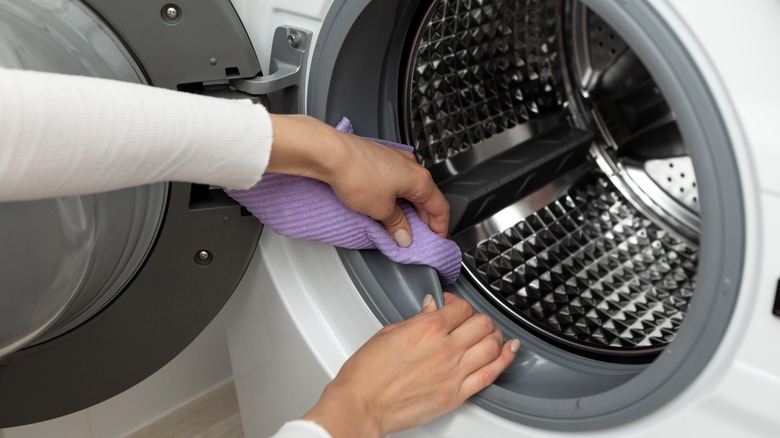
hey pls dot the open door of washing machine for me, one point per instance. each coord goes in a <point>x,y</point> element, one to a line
<point>97,292</point>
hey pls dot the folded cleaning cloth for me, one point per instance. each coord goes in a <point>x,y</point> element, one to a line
<point>305,208</point>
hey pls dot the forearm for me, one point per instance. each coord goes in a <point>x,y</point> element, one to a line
<point>64,135</point>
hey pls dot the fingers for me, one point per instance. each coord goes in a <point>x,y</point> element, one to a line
<point>485,356</point>
<point>482,351</point>
<point>398,226</point>
<point>443,321</point>
<point>476,328</point>
<point>435,212</point>
<point>385,372</point>
<point>430,203</point>
<point>486,375</point>
<point>377,177</point>
<point>428,305</point>
<point>455,311</point>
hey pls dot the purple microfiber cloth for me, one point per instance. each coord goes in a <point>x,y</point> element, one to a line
<point>305,208</point>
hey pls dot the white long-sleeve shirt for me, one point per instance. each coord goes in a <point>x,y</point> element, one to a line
<point>65,135</point>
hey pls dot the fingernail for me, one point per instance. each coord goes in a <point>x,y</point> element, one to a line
<point>427,300</point>
<point>403,238</point>
<point>514,345</point>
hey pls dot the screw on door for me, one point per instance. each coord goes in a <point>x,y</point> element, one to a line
<point>203,257</point>
<point>171,13</point>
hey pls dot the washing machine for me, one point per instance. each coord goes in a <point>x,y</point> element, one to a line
<point>609,165</point>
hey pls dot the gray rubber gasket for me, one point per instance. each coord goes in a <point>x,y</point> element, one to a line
<point>613,401</point>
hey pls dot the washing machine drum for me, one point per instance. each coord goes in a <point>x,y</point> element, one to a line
<point>578,146</point>
<point>99,291</point>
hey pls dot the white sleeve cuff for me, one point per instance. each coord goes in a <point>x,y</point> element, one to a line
<point>302,429</point>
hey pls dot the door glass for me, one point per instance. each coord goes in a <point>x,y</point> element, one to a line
<point>64,259</point>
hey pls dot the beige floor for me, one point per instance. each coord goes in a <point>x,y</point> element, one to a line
<point>213,415</point>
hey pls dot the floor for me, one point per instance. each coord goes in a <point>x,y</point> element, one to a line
<point>201,372</point>
<point>213,415</point>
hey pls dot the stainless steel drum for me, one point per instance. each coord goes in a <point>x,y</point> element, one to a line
<point>602,259</point>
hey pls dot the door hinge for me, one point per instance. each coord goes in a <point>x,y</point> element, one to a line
<point>285,86</point>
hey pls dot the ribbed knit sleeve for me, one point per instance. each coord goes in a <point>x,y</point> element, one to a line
<point>65,135</point>
<point>301,429</point>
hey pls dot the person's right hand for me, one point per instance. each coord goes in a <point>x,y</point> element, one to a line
<point>375,176</point>
<point>414,371</point>
<point>368,177</point>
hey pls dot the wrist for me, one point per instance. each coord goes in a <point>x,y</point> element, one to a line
<point>305,146</point>
<point>343,414</point>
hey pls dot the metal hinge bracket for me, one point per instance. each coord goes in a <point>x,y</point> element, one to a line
<point>286,85</point>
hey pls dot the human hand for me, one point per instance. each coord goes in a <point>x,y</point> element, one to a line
<point>414,371</point>
<point>397,175</point>
<point>366,176</point>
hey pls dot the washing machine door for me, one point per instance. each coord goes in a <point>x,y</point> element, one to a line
<point>99,291</point>
<point>595,188</point>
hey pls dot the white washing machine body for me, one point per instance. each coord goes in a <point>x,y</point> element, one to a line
<point>298,313</point>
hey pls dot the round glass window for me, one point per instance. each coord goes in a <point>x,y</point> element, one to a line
<point>64,259</point>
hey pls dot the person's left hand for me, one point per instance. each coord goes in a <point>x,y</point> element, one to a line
<point>413,371</point>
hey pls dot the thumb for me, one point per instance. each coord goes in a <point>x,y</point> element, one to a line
<point>398,227</point>
<point>428,304</point>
